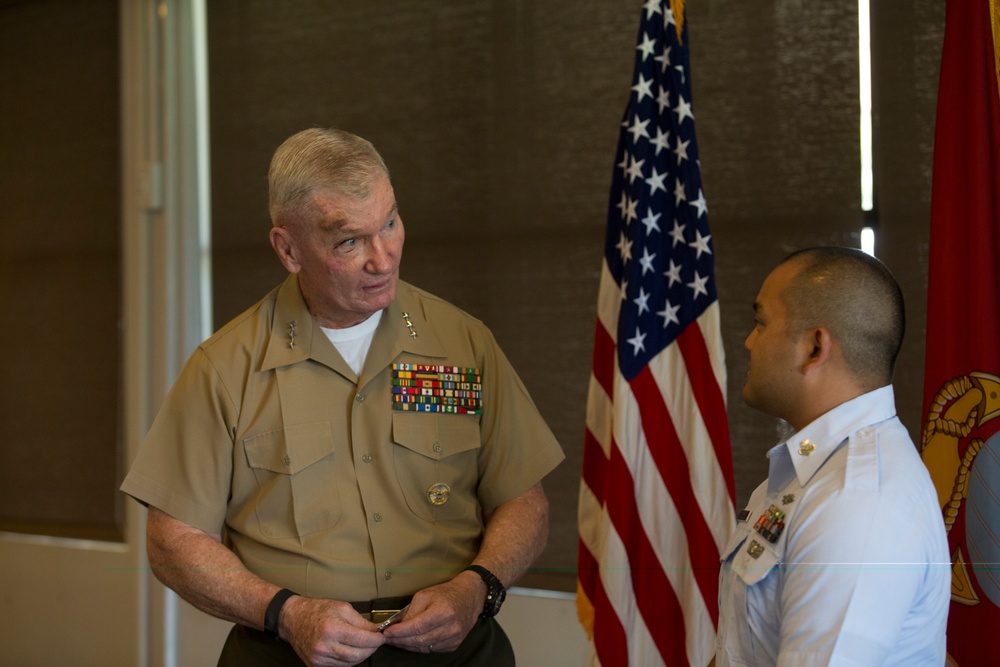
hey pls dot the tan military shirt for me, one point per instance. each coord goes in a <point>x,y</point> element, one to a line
<point>316,482</point>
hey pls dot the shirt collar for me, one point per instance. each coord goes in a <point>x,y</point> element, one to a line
<point>404,328</point>
<point>809,449</point>
<point>295,336</point>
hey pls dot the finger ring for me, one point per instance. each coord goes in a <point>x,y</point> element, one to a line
<point>430,648</point>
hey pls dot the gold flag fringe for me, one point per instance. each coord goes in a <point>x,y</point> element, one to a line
<point>995,23</point>
<point>677,7</point>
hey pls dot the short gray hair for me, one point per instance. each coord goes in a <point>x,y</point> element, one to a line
<point>317,158</point>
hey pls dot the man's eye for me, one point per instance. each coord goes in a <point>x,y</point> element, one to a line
<point>348,244</point>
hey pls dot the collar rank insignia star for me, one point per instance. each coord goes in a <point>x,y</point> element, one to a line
<point>421,388</point>
<point>806,448</point>
<point>770,524</point>
<point>788,499</point>
<point>409,325</point>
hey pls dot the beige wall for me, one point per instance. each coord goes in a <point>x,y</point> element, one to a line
<point>498,120</point>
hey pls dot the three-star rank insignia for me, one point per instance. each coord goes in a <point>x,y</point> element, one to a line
<point>770,524</point>
<point>409,325</point>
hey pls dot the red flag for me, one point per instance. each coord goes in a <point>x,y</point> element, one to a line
<point>961,443</point>
<point>656,499</point>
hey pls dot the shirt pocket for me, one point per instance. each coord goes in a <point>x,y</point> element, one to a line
<point>750,558</point>
<point>736,540</point>
<point>296,482</point>
<point>436,457</point>
<point>754,559</point>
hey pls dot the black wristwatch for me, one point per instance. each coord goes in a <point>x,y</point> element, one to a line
<point>273,612</point>
<point>495,592</point>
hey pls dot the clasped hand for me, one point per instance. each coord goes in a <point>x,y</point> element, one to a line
<point>332,634</point>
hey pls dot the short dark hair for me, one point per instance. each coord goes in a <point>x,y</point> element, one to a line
<point>857,299</point>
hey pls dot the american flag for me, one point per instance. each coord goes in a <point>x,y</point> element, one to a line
<point>656,499</point>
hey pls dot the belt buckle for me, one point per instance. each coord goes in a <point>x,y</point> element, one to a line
<point>379,615</point>
<point>386,617</point>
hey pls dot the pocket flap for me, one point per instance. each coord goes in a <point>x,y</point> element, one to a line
<point>435,436</point>
<point>754,559</point>
<point>290,449</point>
<point>736,540</point>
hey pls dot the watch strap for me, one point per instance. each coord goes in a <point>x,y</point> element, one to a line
<point>273,612</point>
<point>482,572</point>
<point>495,591</point>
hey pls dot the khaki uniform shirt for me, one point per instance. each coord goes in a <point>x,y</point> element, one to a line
<point>315,481</point>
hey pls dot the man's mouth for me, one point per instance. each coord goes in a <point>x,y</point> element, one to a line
<point>378,286</point>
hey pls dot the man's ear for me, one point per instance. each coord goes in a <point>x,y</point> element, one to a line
<point>820,349</point>
<point>284,246</point>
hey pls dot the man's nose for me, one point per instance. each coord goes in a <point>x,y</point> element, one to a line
<point>379,259</point>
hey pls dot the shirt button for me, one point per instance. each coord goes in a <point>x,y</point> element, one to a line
<point>360,398</point>
<point>437,447</point>
<point>377,516</point>
<point>388,575</point>
<point>367,458</point>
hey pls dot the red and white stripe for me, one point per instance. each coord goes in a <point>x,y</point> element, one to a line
<point>656,502</point>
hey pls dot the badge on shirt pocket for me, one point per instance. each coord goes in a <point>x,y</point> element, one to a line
<point>436,463</point>
<point>754,560</point>
<point>749,556</point>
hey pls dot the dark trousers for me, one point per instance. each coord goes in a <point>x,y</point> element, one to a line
<point>485,646</point>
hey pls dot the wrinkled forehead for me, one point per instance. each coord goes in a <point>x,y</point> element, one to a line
<point>333,209</point>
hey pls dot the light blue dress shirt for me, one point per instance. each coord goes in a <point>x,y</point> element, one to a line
<point>841,556</point>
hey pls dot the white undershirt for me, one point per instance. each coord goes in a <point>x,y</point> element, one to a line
<point>353,342</point>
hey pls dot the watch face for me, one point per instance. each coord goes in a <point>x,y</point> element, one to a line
<point>495,592</point>
<point>497,600</point>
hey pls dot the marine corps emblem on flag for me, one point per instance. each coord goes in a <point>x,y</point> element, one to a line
<point>965,468</point>
<point>961,397</point>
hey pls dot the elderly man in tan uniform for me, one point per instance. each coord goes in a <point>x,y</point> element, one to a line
<point>348,447</point>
